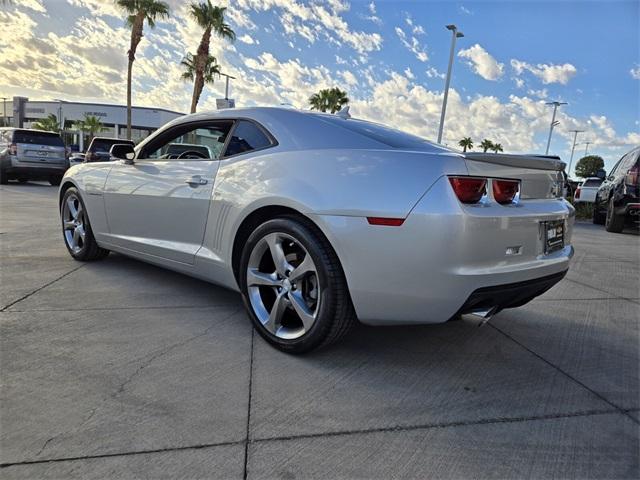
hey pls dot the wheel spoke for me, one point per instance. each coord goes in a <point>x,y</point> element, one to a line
<point>79,212</point>
<point>81,232</point>
<point>256,278</point>
<point>69,225</point>
<point>275,316</point>
<point>73,211</point>
<point>301,308</point>
<point>301,270</point>
<point>277,254</point>
<point>76,237</point>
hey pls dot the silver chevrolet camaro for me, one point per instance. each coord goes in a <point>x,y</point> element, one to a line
<point>322,220</point>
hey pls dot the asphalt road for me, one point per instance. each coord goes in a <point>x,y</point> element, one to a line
<point>117,369</point>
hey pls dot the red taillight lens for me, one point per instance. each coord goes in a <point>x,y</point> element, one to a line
<point>577,194</point>
<point>469,189</point>
<point>13,149</point>
<point>387,222</point>
<point>504,191</point>
<point>632,176</point>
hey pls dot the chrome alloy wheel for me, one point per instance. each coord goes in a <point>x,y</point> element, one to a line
<point>73,220</point>
<point>283,286</point>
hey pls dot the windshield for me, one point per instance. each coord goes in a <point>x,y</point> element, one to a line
<point>105,144</point>
<point>38,138</point>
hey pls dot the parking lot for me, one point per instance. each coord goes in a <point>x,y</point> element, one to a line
<point>118,369</point>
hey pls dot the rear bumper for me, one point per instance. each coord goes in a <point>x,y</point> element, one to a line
<point>427,269</point>
<point>15,168</point>
<point>510,295</point>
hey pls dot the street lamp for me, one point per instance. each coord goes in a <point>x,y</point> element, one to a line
<point>553,122</point>
<point>455,34</point>
<point>586,148</point>
<point>60,120</point>
<point>226,86</point>
<point>4,118</point>
<point>575,137</point>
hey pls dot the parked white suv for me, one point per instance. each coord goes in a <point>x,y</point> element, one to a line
<point>587,189</point>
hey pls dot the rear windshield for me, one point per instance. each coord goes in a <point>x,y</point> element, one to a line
<point>592,183</point>
<point>38,138</point>
<point>104,145</point>
<point>380,133</point>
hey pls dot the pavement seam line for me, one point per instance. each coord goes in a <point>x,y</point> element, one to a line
<point>566,374</point>
<point>24,297</point>
<point>364,431</point>
<point>150,307</point>
<point>611,295</point>
<point>246,441</point>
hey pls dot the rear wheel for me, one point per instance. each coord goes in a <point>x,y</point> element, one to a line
<point>598,216</point>
<point>76,229</point>
<point>23,179</point>
<point>3,177</point>
<point>55,180</point>
<point>293,286</point>
<point>614,223</point>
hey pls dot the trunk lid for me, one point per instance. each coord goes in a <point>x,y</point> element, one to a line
<point>540,176</point>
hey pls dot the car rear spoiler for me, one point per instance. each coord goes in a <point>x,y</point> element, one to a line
<point>537,162</point>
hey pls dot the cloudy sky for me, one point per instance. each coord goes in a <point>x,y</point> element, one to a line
<point>389,55</point>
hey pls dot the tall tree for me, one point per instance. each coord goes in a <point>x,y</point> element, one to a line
<point>90,125</point>
<point>588,166</point>
<point>496,147</point>
<point>211,19</point>
<point>466,143</point>
<point>50,124</point>
<point>137,12</point>
<point>486,145</point>
<point>331,100</point>
<point>211,68</point>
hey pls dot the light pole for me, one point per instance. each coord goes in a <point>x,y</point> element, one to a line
<point>4,118</point>
<point>60,120</point>
<point>575,137</point>
<point>553,122</point>
<point>586,147</point>
<point>455,34</point>
<point>226,86</point>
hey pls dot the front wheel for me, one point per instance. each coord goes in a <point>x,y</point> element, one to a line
<point>293,286</point>
<point>614,223</point>
<point>76,229</point>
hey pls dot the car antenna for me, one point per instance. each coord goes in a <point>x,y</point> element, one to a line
<point>343,112</point>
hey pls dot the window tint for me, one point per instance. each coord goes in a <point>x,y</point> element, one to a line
<point>246,137</point>
<point>592,183</point>
<point>204,142</point>
<point>380,133</point>
<point>627,162</point>
<point>38,138</point>
<point>103,145</point>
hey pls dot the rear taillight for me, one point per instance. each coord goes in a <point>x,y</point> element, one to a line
<point>632,176</point>
<point>13,149</point>
<point>469,189</point>
<point>504,191</point>
<point>577,194</point>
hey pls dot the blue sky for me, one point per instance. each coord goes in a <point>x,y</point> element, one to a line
<point>389,55</point>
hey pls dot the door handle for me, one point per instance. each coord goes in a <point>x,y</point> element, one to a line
<point>196,180</point>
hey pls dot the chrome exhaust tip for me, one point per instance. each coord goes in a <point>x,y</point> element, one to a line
<point>484,314</point>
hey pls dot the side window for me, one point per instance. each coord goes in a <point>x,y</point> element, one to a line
<point>187,142</point>
<point>246,137</point>
<point>615,167</point>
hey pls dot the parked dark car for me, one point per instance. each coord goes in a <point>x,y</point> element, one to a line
<point>27,154</point>
<point>99,148</point>
<point>617,202</point>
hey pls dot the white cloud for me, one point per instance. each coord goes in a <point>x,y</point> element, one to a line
<point>349,78</point>
<point>542,94</point>
<point>635,72</point>
<point>519,82</point>
<point>412,44</point>
<point>35,5</point>
<point>482,63</point>
<point>372,8</point>
<point>547,73</point>
<point>247,39</point>
<point>434,73</point>
<point>409,74</point>
<point>465,10</point>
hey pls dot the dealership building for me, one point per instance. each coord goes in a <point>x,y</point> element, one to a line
<point>144,120</point>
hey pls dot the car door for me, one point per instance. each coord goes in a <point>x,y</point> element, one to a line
<point>158,204</point>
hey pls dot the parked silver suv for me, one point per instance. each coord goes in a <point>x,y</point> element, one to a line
<point>27,154</point>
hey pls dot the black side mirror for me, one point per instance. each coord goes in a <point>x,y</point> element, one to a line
<point>123,151</point>
<point>601,174</point>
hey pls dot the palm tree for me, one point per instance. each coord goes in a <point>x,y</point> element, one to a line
<point>465,143</point>
<point>332,99</point>
<point>211,19</point>
<point>50,124</point>
<point>486,145</point>
<point>90,125</point>
<point>497,148</point>
<point>138,11</point>
<point>211,69</point>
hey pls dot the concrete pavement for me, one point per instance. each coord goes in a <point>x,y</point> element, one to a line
<point>118,369</point>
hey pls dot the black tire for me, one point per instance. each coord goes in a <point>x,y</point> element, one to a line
<point>335,315</point>
<point>90,250</point>
<point>55,180</point>
<point>598,216</point>
<point>613,223</point>
<point>3,177</point>
<point>23,180</point>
